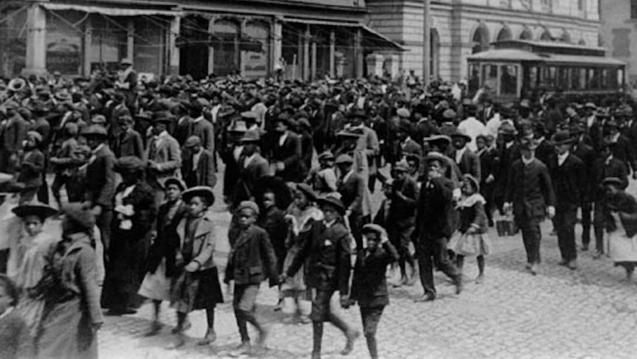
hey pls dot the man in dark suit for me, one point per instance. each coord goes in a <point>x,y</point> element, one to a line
<point>434,211</point>
<point>198,166</point>
<point>507,153</point>
<point>587,154</point>
<point>488,164</point>
<point>287,152</point>
<point>128,142</point>
<point>567,175</point>
<point>352,189</point>
<point>529,192</point>
<point>545,151</point>
<point>201,127</point>
<point>252,167</point>
<point>100,180</point>
<point>13,132</point>
<point>467,161</point>
<point>622,149</point>
<point>406,145</point>
<point>605,166</point>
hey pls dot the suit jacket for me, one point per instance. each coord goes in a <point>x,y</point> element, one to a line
<point>205,131</point>
<point>488,165</point>
<point>183,129</point>
<point>623,151</point>
<point>469,163</point>
<point>545,152</point>
<point>32,169</point>
<point>129,143</point>
<point>530,190</point>
<point>569,182</point>
<point>14,133</point>
<point>327,250</point>
<point>248,176</point>
<point>604,168</point>
<point>290,155</point>
<point>252,259</point>
<point>165,152</point>
<point>368,144</point>
<point>204,241</point>
<point>352,191</point>
<point>369,285</point>
<point>202,173</point>
<point>434,210</point>
<point>100,178</point>
<point>587,154</point>
<point>504,158</point>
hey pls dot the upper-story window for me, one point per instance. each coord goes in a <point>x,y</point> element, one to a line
<point>581,4</point>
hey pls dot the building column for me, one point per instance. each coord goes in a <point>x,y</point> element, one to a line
<point>211,50</point>
<point>130,41</point>
<point>277,42</point>
<point>314,51</point>
<point>35,62</point>
<point>358,53</point>
<point>88,38</point>
<point>306,54</point>
<point>173,51</point>
<point>332,53</point>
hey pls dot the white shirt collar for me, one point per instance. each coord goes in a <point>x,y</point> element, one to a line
<point>198,119</point>
<point>459,153</point>
<point>98,148</point>
<point>283,137</point>
<point>561,158</point>
<point>527,162</point>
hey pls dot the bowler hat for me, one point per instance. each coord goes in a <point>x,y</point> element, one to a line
<point>458,133</point>
<point>438,138</point>
<point>251,136</point>
<point>563,137</point>
<point>612,181</point>
<point>98,120</point>
<point>307,191</point>
<point>333,202</point>
<point>34,209</point>
<point>204,192</point>
<point>436,156</point>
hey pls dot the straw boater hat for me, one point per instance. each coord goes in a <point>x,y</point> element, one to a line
<point>204,192</point>
<point>374,228</point>
<point>34,209</point>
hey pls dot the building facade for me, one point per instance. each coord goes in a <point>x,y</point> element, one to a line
<point>619,32</point>
<point>459,28</point>
<point>303,39</point>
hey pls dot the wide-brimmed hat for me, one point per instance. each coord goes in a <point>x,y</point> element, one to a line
<point>437,156</point>
<point>80,213</point>
<point>458,133</point>
<point>17,85</point>
<point>95,131</point>
<point>590,105</point>
<point>250,136</point>
<point>331,201</point>
<point>176,181</point>
<point>374,228</point>
<point>129,164</point>
<point>307,191</point>
<point>438,138</point>
<point>34,209</point>
<point>199,191</point>
<point>612,181</point>
<point>357,113</point>
<point>344,159</point>
<point>563,137</point>
<point>238,127</point>
<point>348,134</point>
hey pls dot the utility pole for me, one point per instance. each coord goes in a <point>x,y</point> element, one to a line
<point>426,40</point>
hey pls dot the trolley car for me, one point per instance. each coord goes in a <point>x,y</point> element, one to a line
<point>515,69</point>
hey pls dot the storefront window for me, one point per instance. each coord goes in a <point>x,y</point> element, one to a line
<point>149,46</point>
<point>64,42</point>
<point>508,80</point>
<point>226,49</point>
<point>108,42</point>
<point>13,39</point>
<point>255,48</point>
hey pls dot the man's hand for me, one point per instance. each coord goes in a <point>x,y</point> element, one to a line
<point>97,210</point>
<point>280,166</point>
<point>345,303</point>
<point>550,212</point>
<point>282,278</point>
<point>192,266</point>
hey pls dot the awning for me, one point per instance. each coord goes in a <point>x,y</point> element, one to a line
<point>371,38</point>
<point>108,10</point>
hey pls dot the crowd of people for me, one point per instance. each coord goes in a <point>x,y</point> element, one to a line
<point>138,161</point>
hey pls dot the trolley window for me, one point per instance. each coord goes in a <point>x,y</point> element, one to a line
<point>508,80</point>
<point>490,76</point>
<point>474,77</point>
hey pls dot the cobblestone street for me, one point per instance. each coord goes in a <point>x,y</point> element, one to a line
<point>588,313</point>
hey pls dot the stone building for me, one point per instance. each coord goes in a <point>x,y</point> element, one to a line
<point>304,39</point>
<point>619,32</point>
<point>459,28</point>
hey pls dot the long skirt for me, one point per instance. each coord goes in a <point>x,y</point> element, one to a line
<point>621,248</point>
<point>67,332</point>
<point>156,286</point>
<point>297,282</point>
<point>31,311</point>
<point>196,290</point>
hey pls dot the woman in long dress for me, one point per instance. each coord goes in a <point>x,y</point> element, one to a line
<point>28,260</point>
<point>161,256</point>
<point>72,313</point>
<point>621,226</point>
<point>301,214</point>
<point>133,218</point>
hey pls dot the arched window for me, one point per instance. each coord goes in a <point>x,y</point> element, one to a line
<point>226,47</point>
<point>434,64</point>
<point>546,36</point>
<point>255,49</point>
<point>505,34</point>
<point>526,34</point>
<point>480,40</point>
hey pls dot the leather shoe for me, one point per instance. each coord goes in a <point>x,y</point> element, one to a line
<point>572,265</point>
<point>425,298</point>
<point>563,262</point>
<point>210,337</point>
<point>533,269</point>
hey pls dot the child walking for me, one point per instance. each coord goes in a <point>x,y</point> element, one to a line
<point>471,238</point>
